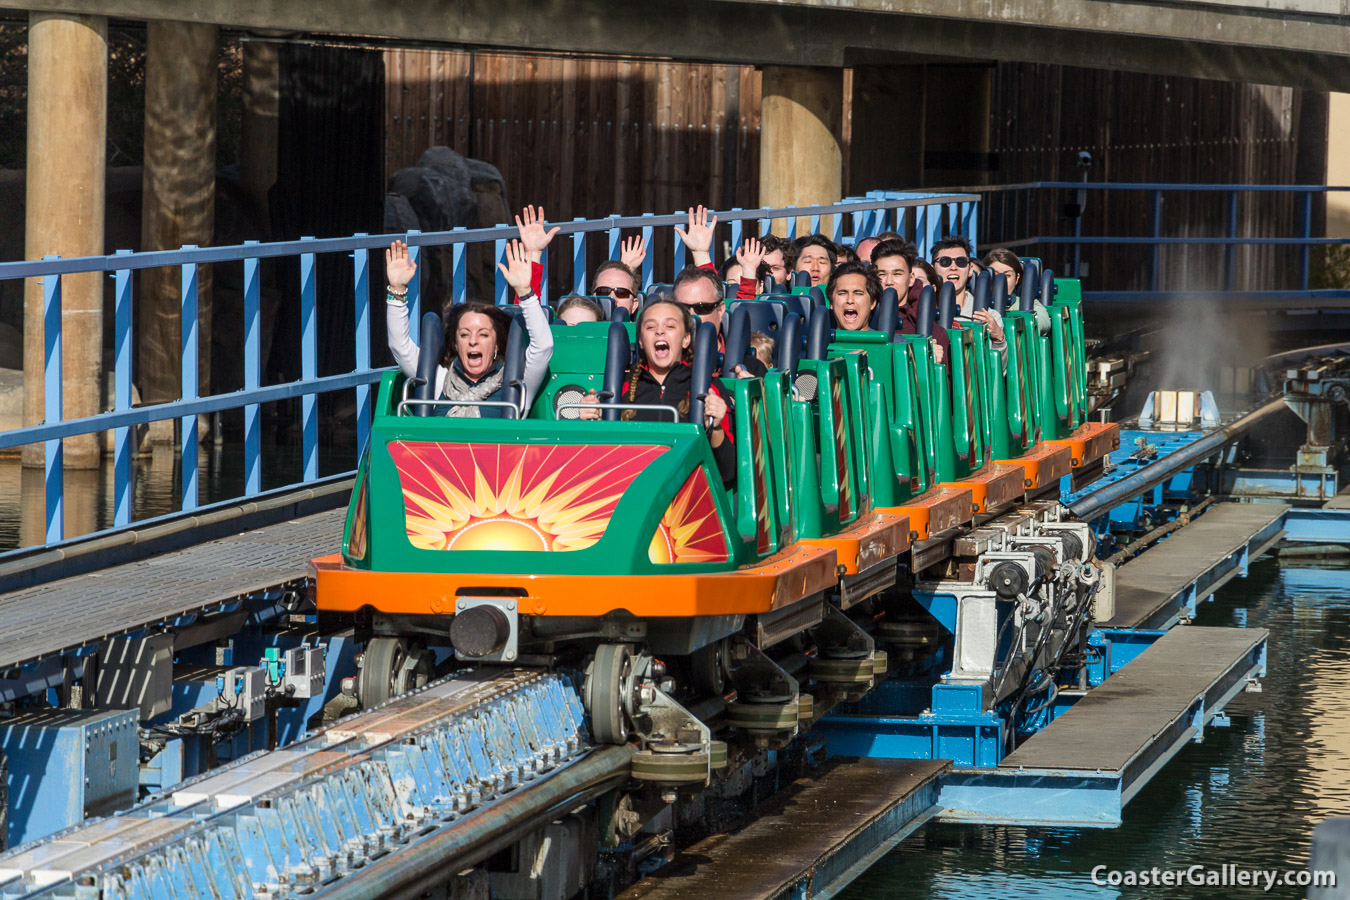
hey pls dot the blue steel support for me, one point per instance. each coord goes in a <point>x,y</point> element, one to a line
<point>648,261</point>
<point>499,287</point>
<point>191,388</point>
<point>579,260</point>
<point>415,286</point>
<point>459,278</point>
<point>1305,218</point>
<point>309,367</point>
<point>614,237</point>
<point>737,232</point>
<point>53,456</point>
<point>122,437</point>
<point>678,249</point>
<point>252,376</point>
<point>361,303</point>
<point>1230,252</point>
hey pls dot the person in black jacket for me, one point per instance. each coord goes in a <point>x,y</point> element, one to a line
<point>663,377</point>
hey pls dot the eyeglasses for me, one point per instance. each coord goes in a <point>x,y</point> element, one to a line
<point>703,309</point>
<point>959,261</point>
<point>618,293</point>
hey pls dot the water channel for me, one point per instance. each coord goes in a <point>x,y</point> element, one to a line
<point>1250,794</point>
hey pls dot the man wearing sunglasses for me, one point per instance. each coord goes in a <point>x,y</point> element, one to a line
<point>699,290</point>
<point>951,259</point>
<point>616,280</point>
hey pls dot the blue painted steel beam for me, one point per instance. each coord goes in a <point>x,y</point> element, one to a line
<point>1317,526</point>
<point>53,457</point>
<point>123,448</point>
<point>190,388</point>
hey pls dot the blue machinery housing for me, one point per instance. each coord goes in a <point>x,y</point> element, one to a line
<point>290,815</point>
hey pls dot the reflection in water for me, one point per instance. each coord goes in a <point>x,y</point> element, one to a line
<point>155,489</point>
<point>1249,795</point>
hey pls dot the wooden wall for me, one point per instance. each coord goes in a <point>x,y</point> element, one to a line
<point>584,136</point>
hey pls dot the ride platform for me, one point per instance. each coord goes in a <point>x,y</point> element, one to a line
<point>1089,762</point>
<point>819,835</point>
<point>1163,585</point>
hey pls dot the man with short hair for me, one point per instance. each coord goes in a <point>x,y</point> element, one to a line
<point>892,261</point>
<point>816,256</point>
<point>614,279</point>
<point>780,258</point>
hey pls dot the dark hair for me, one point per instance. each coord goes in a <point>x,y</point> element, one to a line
<point>951,242</point>
<point>849,255</point>
<point>852,268</point>
<point>773,242</point>
<point>818,240</point>
<point>1005,256</point>
<point>616,265</point>
<point>501,323</point>
<point>725,267</point>
<point>576,301</point>
<point>928,270</point>
<point>894,247</point>
<point>635,370</point>
<point>690,274</point>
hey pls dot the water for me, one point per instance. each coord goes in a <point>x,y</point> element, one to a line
<point>1249,795</point>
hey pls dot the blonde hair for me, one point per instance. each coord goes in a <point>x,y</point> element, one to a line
<point>761,341</point>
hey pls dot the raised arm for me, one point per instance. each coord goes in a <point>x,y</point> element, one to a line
<point>535,237</point>
<point>400,268</point>
<point>699,237</point>
<point>517,270</point>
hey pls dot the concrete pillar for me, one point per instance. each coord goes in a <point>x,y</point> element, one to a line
<point>67,140</point>
<point>1338,164</point>
<point>258,127</point>
<point>800,158</point>
<point>887,148</point>
<point>956,125</point>
<point>179,201</point>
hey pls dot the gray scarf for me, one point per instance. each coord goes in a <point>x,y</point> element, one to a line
<point>458,387</point>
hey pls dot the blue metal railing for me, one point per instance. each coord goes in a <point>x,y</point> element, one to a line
<point>922,217</point>
<point>1014,216</point>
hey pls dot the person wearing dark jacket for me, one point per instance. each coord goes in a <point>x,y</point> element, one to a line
<point>663,377</point>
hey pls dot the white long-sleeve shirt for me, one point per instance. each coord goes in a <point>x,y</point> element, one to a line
<point>537,354</point>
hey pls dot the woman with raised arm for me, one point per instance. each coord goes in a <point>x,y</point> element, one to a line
<point>475,336</point>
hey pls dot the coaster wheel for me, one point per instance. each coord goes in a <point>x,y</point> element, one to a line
<point>391,666</point>
<point>606,681</point>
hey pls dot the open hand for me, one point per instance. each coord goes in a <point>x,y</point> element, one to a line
<point>699,236</point>
<point>750,256</point>
<point>517,268</point>
<point>398,265</point>
<point>532,233</point>
<point>632,252</point>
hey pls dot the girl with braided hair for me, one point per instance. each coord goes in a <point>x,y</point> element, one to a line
<point>663,377</point>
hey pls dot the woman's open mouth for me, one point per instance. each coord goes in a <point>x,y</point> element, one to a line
<point>474,357</point>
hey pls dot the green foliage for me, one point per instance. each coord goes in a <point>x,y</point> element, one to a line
<point>1329,267</point>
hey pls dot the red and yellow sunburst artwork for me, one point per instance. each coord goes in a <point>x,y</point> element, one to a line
<point>513,496</point>
<point>690,531</point>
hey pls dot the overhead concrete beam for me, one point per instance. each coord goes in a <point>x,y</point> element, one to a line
<point>1304,43</point>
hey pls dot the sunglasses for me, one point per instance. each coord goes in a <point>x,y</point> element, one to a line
<point>959,261</point>
<point>618,293</point>
<point>703,309</point>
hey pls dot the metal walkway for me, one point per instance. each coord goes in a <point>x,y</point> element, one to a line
<point>1164,585</point>
<point>1087,764</point>
<point>71,613</point>
<point>827,829</point>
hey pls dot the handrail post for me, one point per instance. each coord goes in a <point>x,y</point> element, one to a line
<point>579,260</point>
<point>361,309</point>
<point>615,237</point>
<point>648,261</point>
<point>499,288</point>
<point>459,274</point>
<point>678,251</point>
<point>53,455</point>
<point>191,387</point>
<point>415,286</point>
<point>252,376</point>
<point>122,362</point>
<point>309,367</point>
<point>737,233</point>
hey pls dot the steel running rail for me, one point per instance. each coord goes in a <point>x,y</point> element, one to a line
<point>1101,502</point>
